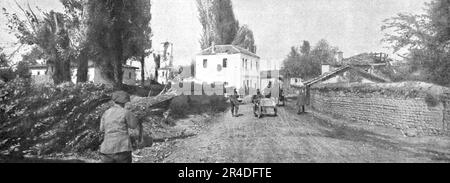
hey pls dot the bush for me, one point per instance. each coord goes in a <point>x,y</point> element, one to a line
<point>7,74</point>
<point>180,106</point>
<point>218,104</point>
<point>184,105</point>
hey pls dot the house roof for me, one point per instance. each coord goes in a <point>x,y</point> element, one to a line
<point>38,66</point>
<point>227,49</point>
<point>363,59</point>
<point>342,69</point>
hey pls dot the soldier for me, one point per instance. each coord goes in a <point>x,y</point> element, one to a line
<point>256,99</point>
<point>302,100</point>
<point>268,90</point>
<point>117,145</point>
<point>282,99</point>
<point>234,104</point>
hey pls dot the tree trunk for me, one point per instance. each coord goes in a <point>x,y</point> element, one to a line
<point>57,74</point>
<point>143,70</point>
<point>66,71</point>
<point>118,29</point>
<point>83,67</point>
<point>157,60</point>
<point>104,74</point>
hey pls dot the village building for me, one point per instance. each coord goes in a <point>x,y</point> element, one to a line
<point>166,68</point>
<point>271,72</point>
<point>40,69</point>
<point>296,81</point>
<point>42,73</point>
<point>229,64</point>
<point>356,68</point>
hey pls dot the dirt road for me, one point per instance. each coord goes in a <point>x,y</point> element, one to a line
<point>292,138</point>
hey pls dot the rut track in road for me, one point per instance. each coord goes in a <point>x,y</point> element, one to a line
<point>292,138</point>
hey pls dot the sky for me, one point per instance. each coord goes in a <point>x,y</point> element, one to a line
<point>352,25</point>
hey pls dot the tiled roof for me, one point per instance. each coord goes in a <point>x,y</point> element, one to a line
<point>362,60</point>
<point>227,49</point>
<point>38,66</point>
<point>342,69</point>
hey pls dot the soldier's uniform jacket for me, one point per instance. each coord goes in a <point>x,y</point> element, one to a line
<point>303,98</point>
<point>115,123</point>
<point>234,99</point>
<point>267,92</point>
<point>256,98</point>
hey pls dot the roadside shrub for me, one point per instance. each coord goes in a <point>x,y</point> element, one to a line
<point>185,105</point>
<point>180,106</point>
<point>218,104</point>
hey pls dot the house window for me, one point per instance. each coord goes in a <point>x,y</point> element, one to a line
<point>225,64</point>
<point>205,63</point>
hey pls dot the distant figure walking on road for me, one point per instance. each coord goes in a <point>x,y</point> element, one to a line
<point>117,145</point>
<point>302,100</point>
<point>234,104</point>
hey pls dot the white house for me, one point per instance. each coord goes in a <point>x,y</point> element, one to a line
<point>164,75</point>
<point>296,81</point>
<point>229,64</point>
<point>40,71</point>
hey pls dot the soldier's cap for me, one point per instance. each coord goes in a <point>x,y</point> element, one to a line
<point>120,97</point>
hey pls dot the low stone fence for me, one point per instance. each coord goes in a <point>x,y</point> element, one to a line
<point>42,79</point>
<point>414,108</point>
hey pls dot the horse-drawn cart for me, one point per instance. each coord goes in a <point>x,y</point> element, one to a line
<point>262,105</point>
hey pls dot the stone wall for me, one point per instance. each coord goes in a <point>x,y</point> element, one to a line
<point>42,79</point>
<point>414,109</point>
<point>446,104</point>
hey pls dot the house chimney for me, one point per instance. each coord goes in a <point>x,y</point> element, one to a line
<point>213,47</point>
<point>340,57</point>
